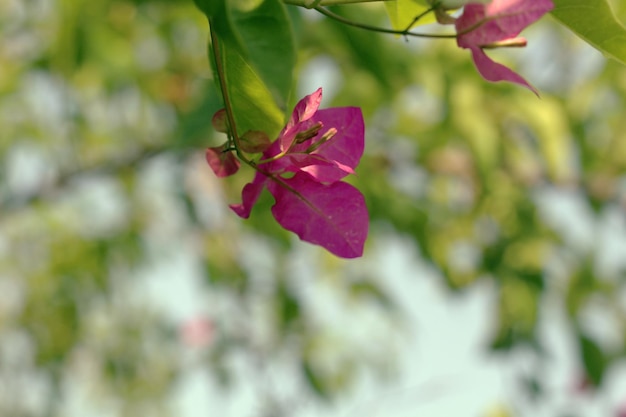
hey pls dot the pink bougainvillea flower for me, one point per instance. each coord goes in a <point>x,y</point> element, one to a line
<point>497,24</point>
<point>303,168</point>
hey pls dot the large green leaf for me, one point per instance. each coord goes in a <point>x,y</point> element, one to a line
<point>595,22</point>
<point>258,58</point>
<point>253,105</point>
<point>267,39</point>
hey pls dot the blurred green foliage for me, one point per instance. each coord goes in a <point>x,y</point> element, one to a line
<point>105,110</point>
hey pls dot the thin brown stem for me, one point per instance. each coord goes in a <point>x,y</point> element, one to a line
<point>404,32</point>
<point>421,15</point>
<point>407,32</point>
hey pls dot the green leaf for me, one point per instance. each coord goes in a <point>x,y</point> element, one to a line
<point>315,381</point>
<point>253,105</point>
<point>210,7</point>
<point>287,308</point>
<point>368,289</point>
<point>594,360</point>
<point>271,52</point>
<point>548,120</point>
<point>258,57</point>
<point>594,22</point>
<point>402,12</point>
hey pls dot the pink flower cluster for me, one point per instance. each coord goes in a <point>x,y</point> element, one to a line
<point>303,169</point>
<point>497,24</point>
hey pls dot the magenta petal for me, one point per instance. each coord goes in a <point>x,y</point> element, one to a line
<point>222,163</point>
<point>348,144</point>
<point>517,14</point>
<point>333,216</point>
<point>344,149</point>
<point>503,19</point>
<point>304,110</point>
<point>492,71</point>
<point>325,171</point>
<point>249,195</point>
<point>303,161</point>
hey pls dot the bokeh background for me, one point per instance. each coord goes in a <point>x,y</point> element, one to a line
<point>494,277</point>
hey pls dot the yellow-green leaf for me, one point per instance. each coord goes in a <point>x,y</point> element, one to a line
<point>253,105</point>
<point>594,22</point>
<point>402,12</point>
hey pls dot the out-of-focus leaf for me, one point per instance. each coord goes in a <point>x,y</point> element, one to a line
<point>194,126</point>
<point>386,204</point>
<point>594,22</point>
<point>534,387</point>
<point>221,264</point>
<point>504,339</point>
<point>315,381</point>
<point>472,119</point>
<point>548,119</point>
<point>287,308</point>
<point>582,285</point>
<point>370,52</point>
<point>594,360</point>
<point>368,289</point>
<point>518,307</point>
<point>534,279</point>
<point>51,318</point>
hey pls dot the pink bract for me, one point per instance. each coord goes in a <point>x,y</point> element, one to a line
<point>500,20</point>
<point>304,177</point>
<point>303,111</point>
<point>331,215</point>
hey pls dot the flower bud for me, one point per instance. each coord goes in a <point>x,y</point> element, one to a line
<point>308,133</point>
<point>220,121</point>
<point>506,43</point>
<point>254,141</point>
<point>325,138</point>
